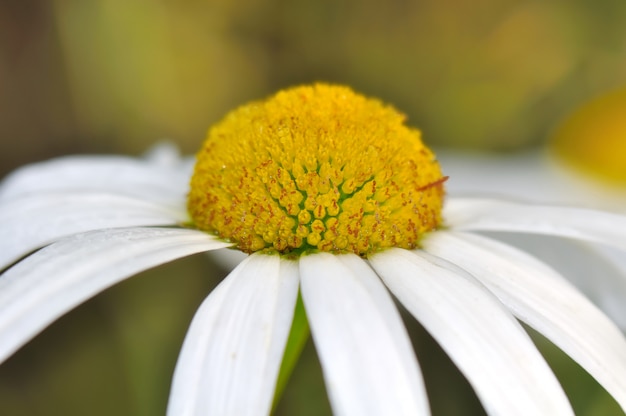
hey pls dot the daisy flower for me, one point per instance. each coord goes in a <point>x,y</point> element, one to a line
<point>331,196</point>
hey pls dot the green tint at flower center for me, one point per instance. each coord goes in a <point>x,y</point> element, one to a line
<point>316,168</point>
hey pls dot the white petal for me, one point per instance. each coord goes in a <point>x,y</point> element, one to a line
<point>538,296</point>
<point>30,222</point>
<point>368,362</point>
<point>164,153</point>
<point>112,174</point>
<point>597,271</point>
<point>611,289</point>
<point>494,215</point>
<point>529,176</point>
<point>487,344</point>
<point>45,285</point>
<point>232,353</point>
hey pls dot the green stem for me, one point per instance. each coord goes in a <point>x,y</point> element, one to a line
<point>298,336</point>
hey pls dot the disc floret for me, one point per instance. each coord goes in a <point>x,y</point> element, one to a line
<point>316,168</point>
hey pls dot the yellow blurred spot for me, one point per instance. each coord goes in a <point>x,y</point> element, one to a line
<point>316,168</point>
<point>593,138</point>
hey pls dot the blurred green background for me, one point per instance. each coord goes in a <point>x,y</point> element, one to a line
<point>115,76</point>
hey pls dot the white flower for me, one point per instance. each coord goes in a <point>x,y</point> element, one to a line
<point>103,219</point>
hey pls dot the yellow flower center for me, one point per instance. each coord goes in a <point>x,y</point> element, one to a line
<point>316,168</point>
<point>593,138</point>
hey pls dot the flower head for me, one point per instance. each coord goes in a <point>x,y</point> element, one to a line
<point>328,173</point>
<point>316,168</point>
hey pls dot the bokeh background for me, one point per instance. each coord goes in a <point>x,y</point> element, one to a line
<point>116,76</point>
